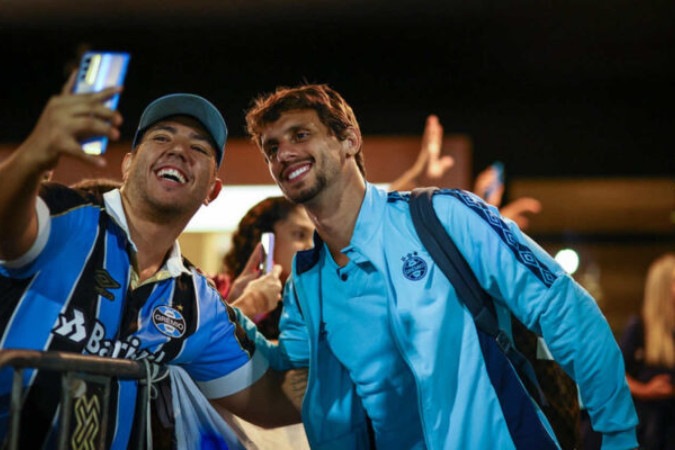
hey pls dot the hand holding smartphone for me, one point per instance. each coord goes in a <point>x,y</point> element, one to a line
<point>267,261</point>
<point>97,71</point>
<point>498,181</point>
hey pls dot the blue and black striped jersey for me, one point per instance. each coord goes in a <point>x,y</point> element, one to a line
<point>74,291</point>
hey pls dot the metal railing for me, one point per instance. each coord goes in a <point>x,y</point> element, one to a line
<point>75,369</point>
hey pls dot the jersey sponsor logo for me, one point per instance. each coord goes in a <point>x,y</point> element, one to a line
<point>71,328</point>
<point>128,349</point>
<point>169,321</point>
<point>414,267</point>
<point>98,345</point>
<point>75,330</point>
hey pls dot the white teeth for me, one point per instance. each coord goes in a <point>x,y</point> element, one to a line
<point>172,174</point>
<point>297,172</point>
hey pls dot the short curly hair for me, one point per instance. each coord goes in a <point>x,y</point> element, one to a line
<point>333,111</point>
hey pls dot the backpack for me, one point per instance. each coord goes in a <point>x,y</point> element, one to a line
<point>556,395</point>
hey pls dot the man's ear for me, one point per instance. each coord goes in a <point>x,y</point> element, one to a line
<point>352,141</point>
<point>215,190</point>
<point>126,165</point>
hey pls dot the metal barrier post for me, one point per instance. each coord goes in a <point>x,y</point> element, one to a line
<point>15,409</point>
<point>66,405</point>
<point>89,369</point>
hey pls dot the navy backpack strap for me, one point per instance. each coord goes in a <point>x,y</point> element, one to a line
<point>479,303</point>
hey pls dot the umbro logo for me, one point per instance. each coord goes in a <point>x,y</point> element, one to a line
<point>103,282</point>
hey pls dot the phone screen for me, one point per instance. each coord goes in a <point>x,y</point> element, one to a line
<point>97,71</point>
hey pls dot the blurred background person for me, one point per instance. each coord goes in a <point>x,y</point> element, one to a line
<point>648,346</point>
<point>254,293</point>
<point>489,183</point>
<point>429,161</point>
<point>292,230</point>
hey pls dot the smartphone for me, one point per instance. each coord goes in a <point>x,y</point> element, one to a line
<point>267,241</point>
<point>97,71</point>
<point>498,167</point>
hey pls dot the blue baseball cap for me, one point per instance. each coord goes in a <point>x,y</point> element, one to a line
<point>190,105</point>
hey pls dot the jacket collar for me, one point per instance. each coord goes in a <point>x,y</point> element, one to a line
<point>366,238</point>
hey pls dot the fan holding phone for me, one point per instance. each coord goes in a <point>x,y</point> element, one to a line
<point>269,234</point>
<point>101,274</point>
<point>490,186</point>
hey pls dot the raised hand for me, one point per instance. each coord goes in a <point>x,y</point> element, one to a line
<point>65,121</point>
<point>429,162</point>
<point>261,295</point>
<point>68,119</point>
<point>250,272</point>
<point>432,141</point>
<point>486,178</point>
<point>254,293</point>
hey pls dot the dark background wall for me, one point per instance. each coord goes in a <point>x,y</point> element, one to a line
<point>568,89</point>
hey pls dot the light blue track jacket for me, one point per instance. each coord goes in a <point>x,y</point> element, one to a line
<point>436,335</point>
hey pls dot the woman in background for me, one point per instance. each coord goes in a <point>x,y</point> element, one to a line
<point>292,232</point>
<point>648,346</point>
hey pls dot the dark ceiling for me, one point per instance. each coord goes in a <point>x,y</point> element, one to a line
<point>575,88</point>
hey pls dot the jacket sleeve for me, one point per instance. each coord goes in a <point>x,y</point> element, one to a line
<point>520,275</point>
<point>293,337</point>
<point>292,350</point>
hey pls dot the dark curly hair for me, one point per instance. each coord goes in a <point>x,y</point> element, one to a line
<point>257,220</point>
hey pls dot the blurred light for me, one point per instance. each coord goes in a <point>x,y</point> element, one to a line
<point>568,259</point>
<point>224,213</point>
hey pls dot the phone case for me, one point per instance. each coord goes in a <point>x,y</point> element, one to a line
<point>97,71</point>
<point>267,240</point>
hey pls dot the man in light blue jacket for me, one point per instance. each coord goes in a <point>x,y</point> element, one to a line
<point>395,360</point>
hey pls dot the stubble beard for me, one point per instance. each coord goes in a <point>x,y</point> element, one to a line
<point>306,195</point>
<point>155,207</point>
